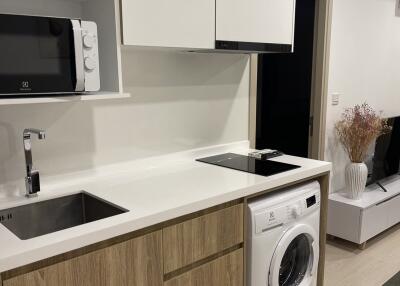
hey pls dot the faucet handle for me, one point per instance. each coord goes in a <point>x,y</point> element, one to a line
<point>39,132</point>
<point>33,184</point>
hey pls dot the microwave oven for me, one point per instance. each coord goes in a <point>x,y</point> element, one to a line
<point>47,55</point>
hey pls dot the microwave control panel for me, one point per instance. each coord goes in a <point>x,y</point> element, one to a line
<point>91,56</point>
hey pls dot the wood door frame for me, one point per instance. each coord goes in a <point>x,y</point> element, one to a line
<point>319,88</point>
<point>253,85</point>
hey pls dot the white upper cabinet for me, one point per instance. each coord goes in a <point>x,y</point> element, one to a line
<point>234,25</point>
<point>255,24</point>
<point>169,23</point>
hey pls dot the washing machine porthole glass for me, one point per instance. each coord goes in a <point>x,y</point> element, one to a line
<point>295,262</point>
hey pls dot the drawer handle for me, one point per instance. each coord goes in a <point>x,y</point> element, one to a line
<point>389,199</point>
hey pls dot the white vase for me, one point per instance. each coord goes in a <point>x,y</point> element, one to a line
<point>356,178</point>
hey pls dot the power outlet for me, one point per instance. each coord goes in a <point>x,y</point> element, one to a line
<point>336,98</point>
<point>398,8</point>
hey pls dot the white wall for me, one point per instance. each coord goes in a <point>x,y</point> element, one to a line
<point>179,102</point>
<point>364,66</point>
<point>58,8</point>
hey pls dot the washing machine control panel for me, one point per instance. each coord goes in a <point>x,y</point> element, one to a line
<point>280,215</point>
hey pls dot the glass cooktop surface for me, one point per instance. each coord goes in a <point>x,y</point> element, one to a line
<point>248,164</point>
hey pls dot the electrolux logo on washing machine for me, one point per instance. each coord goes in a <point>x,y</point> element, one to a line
<point>272,217</point>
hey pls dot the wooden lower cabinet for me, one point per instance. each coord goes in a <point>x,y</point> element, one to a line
<point>136,262</point>
<point>205,250</point>
<point>224,271</point>
<point>201,237</point>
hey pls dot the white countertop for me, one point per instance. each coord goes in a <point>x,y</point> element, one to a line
<point>153,190</point>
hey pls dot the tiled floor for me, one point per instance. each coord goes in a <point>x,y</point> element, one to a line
<point>346,265</point>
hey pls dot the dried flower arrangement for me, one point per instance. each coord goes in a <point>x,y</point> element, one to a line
<point>358,128</point>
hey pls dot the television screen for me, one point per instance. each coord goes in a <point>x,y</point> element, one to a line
<point>386,157</point>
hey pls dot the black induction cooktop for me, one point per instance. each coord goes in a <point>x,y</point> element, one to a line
<point>248,164</point>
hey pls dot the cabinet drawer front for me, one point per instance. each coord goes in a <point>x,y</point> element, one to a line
<point>257,21</point>
<point>380,217</point>
<point>136,262</point>
<point>224,271</point>
<point>374,221</point>
<point>393,211</point>
<point>195,239</point>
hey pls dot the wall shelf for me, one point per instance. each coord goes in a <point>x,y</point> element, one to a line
<point>67,98</point>
<point>106,15</point>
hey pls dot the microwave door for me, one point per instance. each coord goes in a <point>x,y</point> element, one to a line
<point>37,55</point>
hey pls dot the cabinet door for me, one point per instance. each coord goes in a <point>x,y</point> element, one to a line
<point>137,262</point>
<point>201,237</point>
<point>255,21</point>
<point>374,220</point>
<point>224,271</point>
<point>169,23</point>
<point>393,211</point>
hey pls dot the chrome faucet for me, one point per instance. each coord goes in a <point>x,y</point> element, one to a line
<point>32,179</point>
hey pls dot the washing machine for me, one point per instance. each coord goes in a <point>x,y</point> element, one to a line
<point>283,242</point>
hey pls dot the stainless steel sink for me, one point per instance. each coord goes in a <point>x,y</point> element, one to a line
<point>45,217</point>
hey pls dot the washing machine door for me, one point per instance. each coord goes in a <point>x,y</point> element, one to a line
<point>295,260</point>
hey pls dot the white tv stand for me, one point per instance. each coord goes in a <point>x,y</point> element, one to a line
<point>360,220</point>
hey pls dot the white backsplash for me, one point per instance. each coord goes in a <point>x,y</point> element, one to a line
<point>179,101</point>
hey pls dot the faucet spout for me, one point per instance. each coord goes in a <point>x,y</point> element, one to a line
<point>32,179</point>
